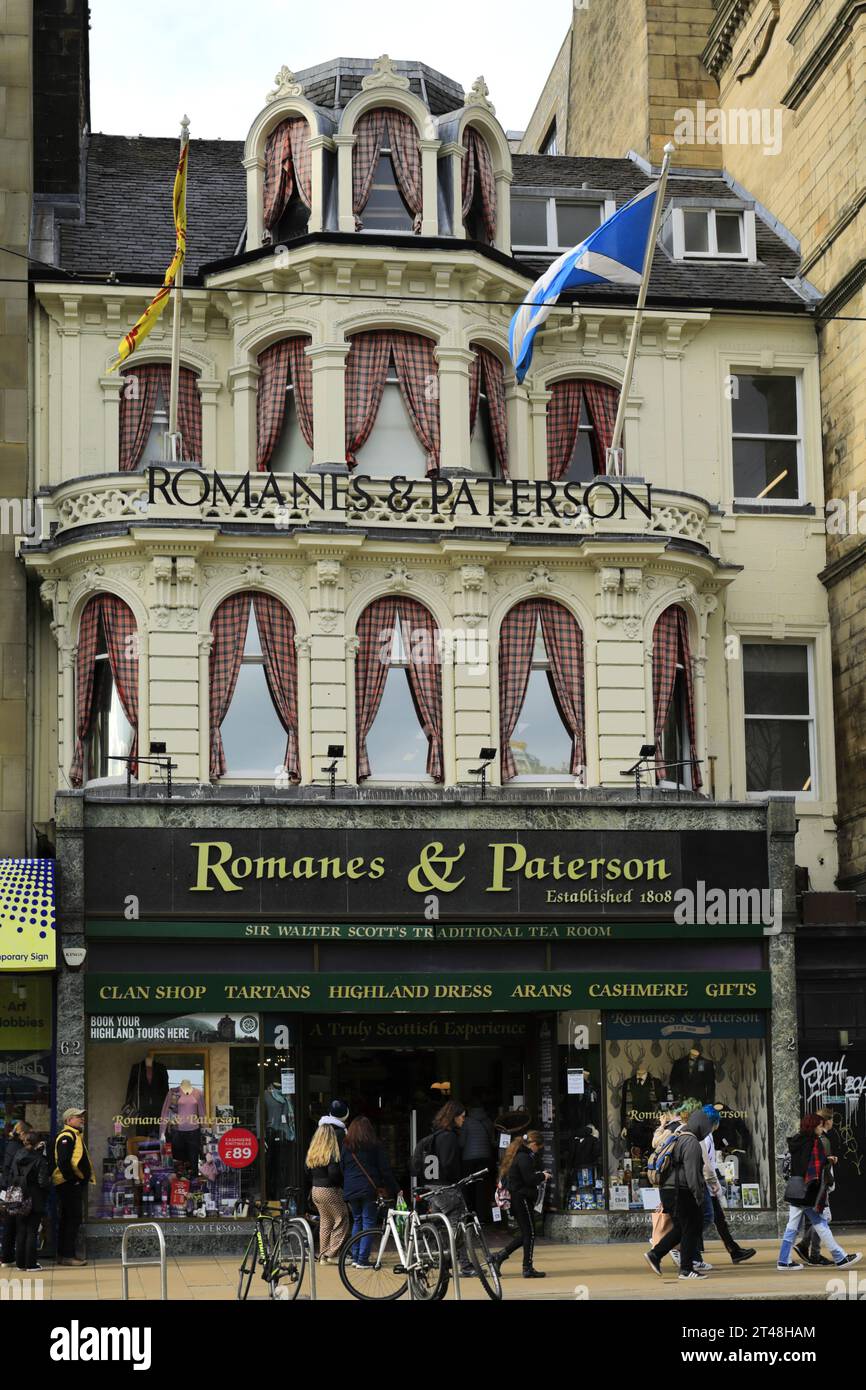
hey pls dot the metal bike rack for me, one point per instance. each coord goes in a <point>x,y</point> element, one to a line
<point>452,1247</point>
<point>126,1265</point>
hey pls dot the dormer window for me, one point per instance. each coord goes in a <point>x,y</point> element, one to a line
<point>287,181</point>
<point>555,224</point>
<point>720,234</point>
<point>549,144</point>
<point>386,173</point>
<point>386,210</point>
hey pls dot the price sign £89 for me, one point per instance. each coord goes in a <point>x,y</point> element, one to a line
<point>238,1148</point>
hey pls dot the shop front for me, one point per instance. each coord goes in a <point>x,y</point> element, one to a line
<point>398,983</point>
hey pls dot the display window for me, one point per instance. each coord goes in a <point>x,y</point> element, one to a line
<point>163,1093</point>
<point>656,1062</point>
<point>25,1061</point>
<point>581,1163</point>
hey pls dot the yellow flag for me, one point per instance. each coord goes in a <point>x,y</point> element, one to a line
<point>140,330</point>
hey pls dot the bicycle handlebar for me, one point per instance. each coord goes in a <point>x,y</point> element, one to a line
<point>452,1186</point>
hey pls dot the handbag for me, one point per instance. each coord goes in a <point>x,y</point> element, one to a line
<point>15,1202</point>
<point>797,1194</point>
<point>381,1192</point>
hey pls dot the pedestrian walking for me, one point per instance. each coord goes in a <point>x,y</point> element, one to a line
<point>73,1171</point>
<point>803,1192</point>
<point>682,1195</point>
<point>326,1176</point>
<point>477,1150</point>
<point>12,1146</point>
<point>367,1175</point>
<point>31,1172</point>
<point>714,1213</point>
<point>808,1247</point>
<point>442,1163</point>
<point>522,1172</point>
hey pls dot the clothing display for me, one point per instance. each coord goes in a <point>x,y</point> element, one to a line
<point>146,1090</point>
<point>642,1095</point>
<point>694,1077</point>
<point>279,1114</point>
<point>185,1146</point>
<point>182,1110</point>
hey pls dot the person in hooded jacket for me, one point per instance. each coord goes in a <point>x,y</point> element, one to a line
<point>682,1195</point>
<point>12,1146</point>
<point>522,1172</point>
<point>808,1161</point>
<point>714,1214</point>
<point>31,1171</point>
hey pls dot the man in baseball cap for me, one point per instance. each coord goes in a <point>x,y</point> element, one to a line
<point>73,1171</point>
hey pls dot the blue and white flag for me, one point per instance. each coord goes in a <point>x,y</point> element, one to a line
<point>611,255</point>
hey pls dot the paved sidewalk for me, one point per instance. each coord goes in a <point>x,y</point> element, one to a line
<point>616,1272</point>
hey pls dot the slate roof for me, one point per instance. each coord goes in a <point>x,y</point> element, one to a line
<point>440,93</point>
<point>127,223</point>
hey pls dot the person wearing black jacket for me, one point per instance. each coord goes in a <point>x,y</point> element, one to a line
<point>12,1147</point>
<point>682,1196</point>
<point>326,1178</point>
<point>31,1171</point>
<point>522,1173</point>
<point>448,1168</point>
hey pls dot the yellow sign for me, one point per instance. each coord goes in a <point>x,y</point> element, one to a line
<point>27,934</point>
<point>25,1013</point>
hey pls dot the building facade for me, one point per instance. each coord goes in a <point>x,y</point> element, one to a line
<point>381,564</point>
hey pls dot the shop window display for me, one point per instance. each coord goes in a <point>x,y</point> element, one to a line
<point>580,1111</point>
<point>654,1063</point>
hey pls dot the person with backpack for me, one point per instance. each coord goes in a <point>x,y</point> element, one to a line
<point>366,1174</point>
<point>803,1192</point>
<point>436,1164</point>
<point>31,1174</point>
<point>521,1171</point>
<point>678,1168</point>
<point>670,1124</point>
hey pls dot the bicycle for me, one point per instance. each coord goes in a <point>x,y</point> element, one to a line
<point>278,1245</point>
<point>477,1249</point>
<point>405,1248</point>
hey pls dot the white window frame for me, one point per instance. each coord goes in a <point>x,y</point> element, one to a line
<point>755,640</point>
<point>399,662</point>
<point>685,781</point>
<point>781,502</point>
<point>543,778</point>
<point>110,776</point>
<point>748,248</point>
<point>390,231</point>
<point>607,205</point>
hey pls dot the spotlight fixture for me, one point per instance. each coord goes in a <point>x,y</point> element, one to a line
<point>335,752</point>
<point>487,756</point>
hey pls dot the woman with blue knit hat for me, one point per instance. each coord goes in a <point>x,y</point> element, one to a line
<point>714,1212</point>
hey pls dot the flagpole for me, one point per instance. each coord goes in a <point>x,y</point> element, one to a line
<point>174,444</point>
<point>614,457</point>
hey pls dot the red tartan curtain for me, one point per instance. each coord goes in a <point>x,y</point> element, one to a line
<point>229,632</point>
<point>120,630</point>
<point>477,167</point>
<point>301,373</point>
<point>366,371</point>
<point>405,157</point>
<point>375,629</point>
<point>287,167</point>
<point>563,422</point>
<point>137,405</point>
<point>671,646</point>
<point>494,386</point>
<point>418,377</point>
<point>563,641</point>
<point>277,634</point>
<point>271,400</point>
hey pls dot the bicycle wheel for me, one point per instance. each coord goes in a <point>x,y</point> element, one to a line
<point>479,1257</point>
<point>248,1267</point>
<point>428,1275</point>
<point>286,1272</point>
<point>380,1279</point>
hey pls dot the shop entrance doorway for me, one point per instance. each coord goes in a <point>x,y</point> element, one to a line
<point>401,1086</point>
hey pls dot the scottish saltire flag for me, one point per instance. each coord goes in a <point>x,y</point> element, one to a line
<point>611,255</point>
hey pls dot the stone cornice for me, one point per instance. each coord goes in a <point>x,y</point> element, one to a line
<point>731,17</point>
<point>822,55</point>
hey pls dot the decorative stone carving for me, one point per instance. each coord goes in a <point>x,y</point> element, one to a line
<point>479,95</point>
<point>187,607</point>
<point>302,645</point>
<point>608,595</point>
<point>48,591</point>
<point>632,593</point>
<point>398,578</point>
<point>384,74</point>
<point>287,86</point>
<point>162,574</point>
<point>205,642</point>
<point>472,579</point>
<point>540,580</point>
<point>328,622</point>
<point>253,574</point>
<point>353,644</point>
<point>328,574</point>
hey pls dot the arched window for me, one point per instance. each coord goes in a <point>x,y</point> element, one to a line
<point>488,419</point>
<point>253,690</point>
<point>284,408</point>
<point>106,690</point>
<point>580,421</point>
<point>144,404</point>
<point>386,173</point>
<point>287,181</point>
<point>541,715</point>
<point>398,692</point>
<point>674,701</point>
<point>479,188</point>
<point>392,405</point>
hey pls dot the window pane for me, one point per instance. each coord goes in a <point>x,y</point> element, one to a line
<point>385,210</point>
<point>253,644</point>
<point>696,232</point>
<point>777,755</point>
<point>481,456</point>
<point>153,449</point>
<point>110,731</point>
<point>674,740</point>
<point>575,221</point>
<point>540,742</point>
<point>393,446</point>
<point>581,469</point>
<point>291,452</point>
<point>396,745</point>
<point>729,233</point>
<point>529,221</point>
<point>758,463</point>
<point>775,678</point>
<point>549,146</point>
<point>765,405</point>
<point>253,737</point>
